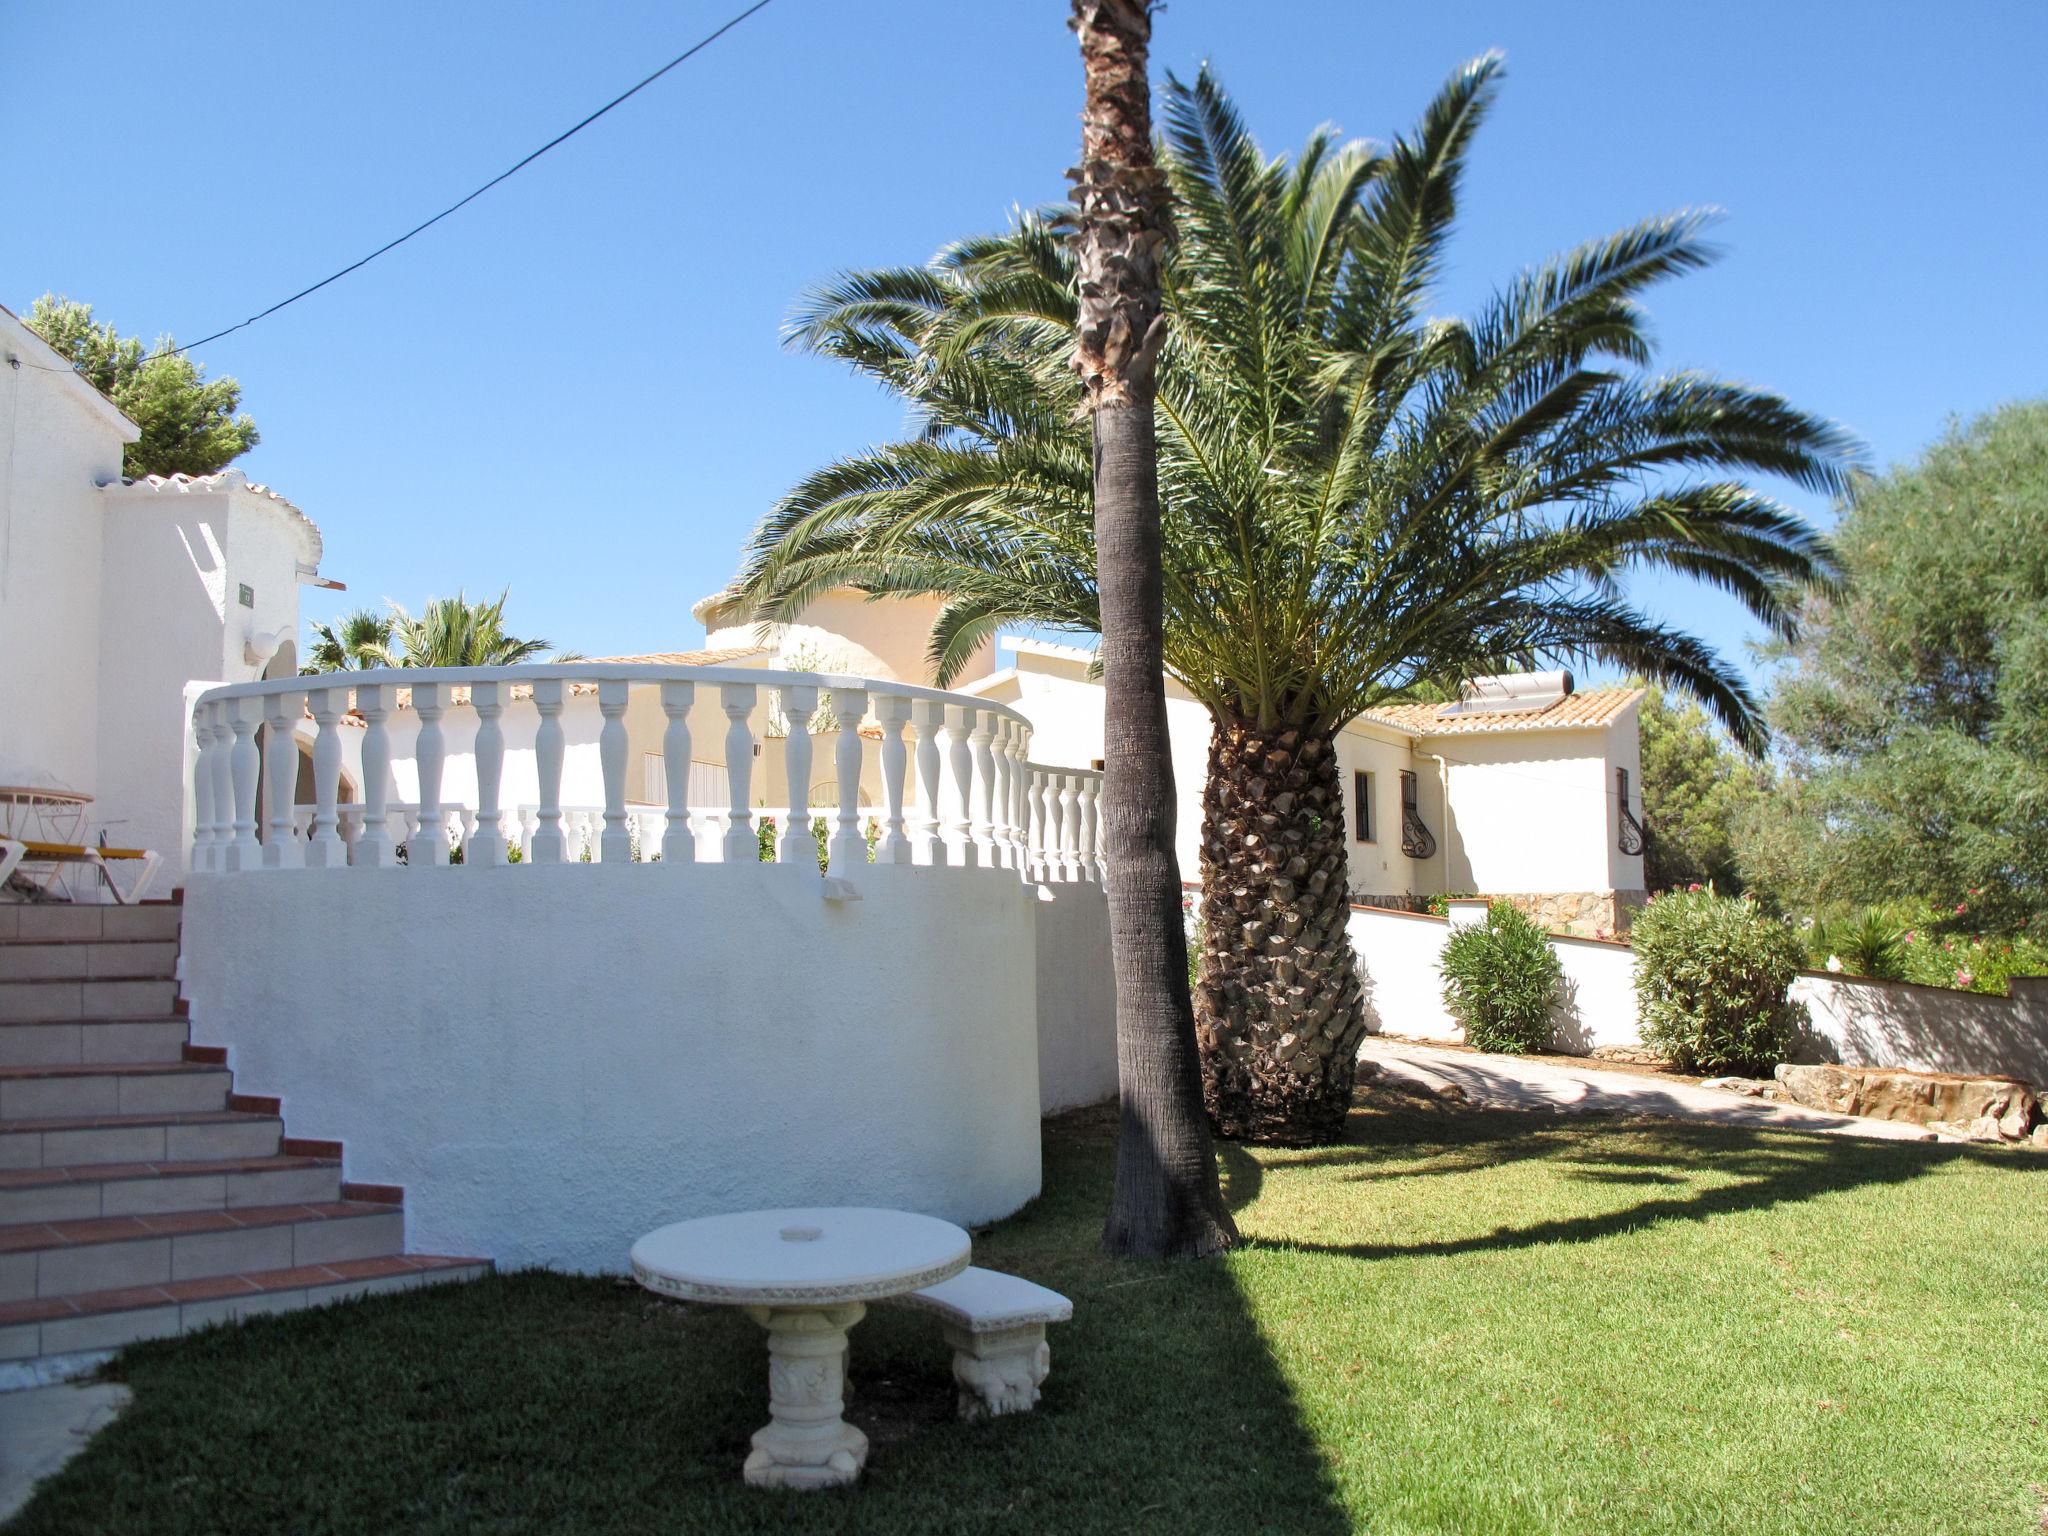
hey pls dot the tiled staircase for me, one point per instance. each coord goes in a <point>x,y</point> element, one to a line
<point>139,1194</point>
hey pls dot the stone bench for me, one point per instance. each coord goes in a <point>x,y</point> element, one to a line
<point>996,1326</point>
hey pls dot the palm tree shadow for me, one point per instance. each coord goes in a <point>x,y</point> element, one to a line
<point>1768,1168</point>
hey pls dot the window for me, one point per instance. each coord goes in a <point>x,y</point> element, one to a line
<point>1417,841</point>
<point>1361,804</point>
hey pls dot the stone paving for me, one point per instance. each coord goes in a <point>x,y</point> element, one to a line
<point>1511,1082</point>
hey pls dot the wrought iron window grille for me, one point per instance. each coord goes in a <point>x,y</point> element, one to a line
<point>1634,836</point>
<point>1417,841</point>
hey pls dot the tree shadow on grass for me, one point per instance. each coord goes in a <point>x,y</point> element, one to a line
<point>1754,1169</point>
<point>533,1402</point>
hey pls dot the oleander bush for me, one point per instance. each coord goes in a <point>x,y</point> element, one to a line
<point>1711,974</point>
<point>1501,981</point>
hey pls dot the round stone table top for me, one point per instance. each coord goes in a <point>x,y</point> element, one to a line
<point>806,1256</point>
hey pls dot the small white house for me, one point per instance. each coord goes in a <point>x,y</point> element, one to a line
<point>117,597</point>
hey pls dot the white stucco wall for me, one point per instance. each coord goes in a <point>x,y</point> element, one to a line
<point>1926,1029</point>
<point>1379,867</point>
<point>1530,811</point>
<point>555,1059</point>
<point>845,632</point>
<point>1399,954</point>
<point>59,441</point>
<point>1076,998</point>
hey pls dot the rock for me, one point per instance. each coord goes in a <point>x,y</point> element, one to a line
<point>1634,1055</point>
<point>2039,1138</point>
<point>1750,1087</point>
<point>2007,1107</point>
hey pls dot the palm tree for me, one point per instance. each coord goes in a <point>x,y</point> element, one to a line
<point>357,640</point>
<point>1358,499</point>
<point>1166,1202</point>
<point>454,632</point>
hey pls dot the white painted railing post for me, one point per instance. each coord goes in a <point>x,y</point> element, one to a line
<point>892,712</point>
<point>1005,820</point>
<point>1070,827</point>
<point>221,761</point>
<point>798,841</point>
<point>1090,785</point>
<point>848,849</point>
<point>1020,789</point>
<point>742,844</point>
<point>374,846</point>
<point>324,847</point>
<point>984,829</point>
<point>429,846</point>
<point>281,713</point>
<point>244,852</point>
<point>486,846</point>
<point>678,843</point>
<point>547,846</point>
<point>201,858</point>
<point>615,843</point>
<point>960,760</point>
<point>926,716</point>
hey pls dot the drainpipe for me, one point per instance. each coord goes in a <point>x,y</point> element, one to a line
<point>1443,844</point>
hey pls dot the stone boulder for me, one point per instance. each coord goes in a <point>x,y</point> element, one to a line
<point>1920,1098</point>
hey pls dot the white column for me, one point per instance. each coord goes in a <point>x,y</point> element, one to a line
<point>798,843</point>
<point>926,716</point>
<point>678,843</point>
<point>281,715</point>
<point>487,845</point>
<point>547,845</point>
<point>1034,814</point>
<point>1020,785</point>
<point>892,711</point>
<point>615,844</point>
<point>244,852</point>
<point>848,850</point>
<point>742,846</point>
<point>202,788</point>
<point>374,846</point>
<point>429,846</point>
<point>324,847</point>
<point>960,762</point>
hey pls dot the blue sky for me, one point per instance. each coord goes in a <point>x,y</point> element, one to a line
<point>576,386</point>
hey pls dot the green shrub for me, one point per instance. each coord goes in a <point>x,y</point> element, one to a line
<point>1870,945</point>
<point>1501,981</point>
<point>1711,977</point>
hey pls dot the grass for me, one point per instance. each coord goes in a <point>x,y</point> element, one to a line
<point>1458,1322</point>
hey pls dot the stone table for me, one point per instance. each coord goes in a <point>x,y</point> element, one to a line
<point>806,1275</point>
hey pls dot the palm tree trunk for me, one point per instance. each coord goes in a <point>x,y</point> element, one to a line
<point>1280,1010</point>
<point>1167,1203</point>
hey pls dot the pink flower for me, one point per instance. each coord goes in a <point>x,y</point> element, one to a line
<point>1694,886</point>
<point>1910,935</point>
<point>1964,978</point>
<point>1962,906</point>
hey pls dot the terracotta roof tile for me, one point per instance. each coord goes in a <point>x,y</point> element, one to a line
<point>1575,711</point>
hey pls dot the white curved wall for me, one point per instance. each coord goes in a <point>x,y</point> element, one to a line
<point>555,1059</point>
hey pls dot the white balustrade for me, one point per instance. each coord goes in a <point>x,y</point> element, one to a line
<point>490,774</point>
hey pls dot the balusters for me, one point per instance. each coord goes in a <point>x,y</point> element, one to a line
<point>615,844</point>
<point>978,736</point>
<point>202,787</point>
<point>926,717</point>
<point>798,841</point>
<point>1005,823</point>
<point>547,846</point>
<point>892,711</point>
<point>848,848</point>
<point>1034,821</point>
<point>742,844</point>
<point>1088,841</point>
<point>324,847</point>
<point>281,712</point>
<point>1020,789</point>
<point>429,846</point>
<point>960,762</point>
<point>374,846</point>
<point>487,845</point>
<point>678,843</point>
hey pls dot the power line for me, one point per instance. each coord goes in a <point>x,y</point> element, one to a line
<point>695,48</point>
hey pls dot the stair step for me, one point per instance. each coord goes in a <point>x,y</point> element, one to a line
<point>63,1141</point>
<point>107,1319</point>
<point>151,920</point>
<point>52,1001</point>
<point>124,1088</point>
<point>39,1260</point>
<point>72,1042</point>
<point>155,1188</point>
<point>87,959</point>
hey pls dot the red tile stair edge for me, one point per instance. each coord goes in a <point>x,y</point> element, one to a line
<point>41,1236</point>
<point>101,1173</point>
<point>373,1194</point>
<point>255,1104</point>
<point>309,1146</point>
<point>212,1055</point>
<point>340,1272</point>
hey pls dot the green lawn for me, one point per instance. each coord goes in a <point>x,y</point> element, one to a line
<point>1460,1322</point>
